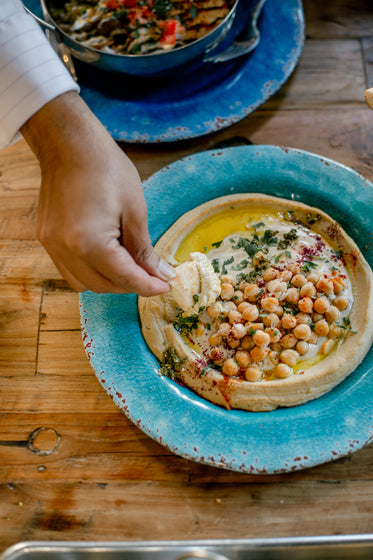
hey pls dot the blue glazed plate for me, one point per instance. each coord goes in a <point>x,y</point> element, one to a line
<point>201,100</point>
<point>283,440</point>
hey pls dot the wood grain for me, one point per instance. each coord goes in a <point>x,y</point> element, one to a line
<point>91,473</point>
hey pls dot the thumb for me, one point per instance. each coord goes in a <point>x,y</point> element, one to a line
<point>148,259</point>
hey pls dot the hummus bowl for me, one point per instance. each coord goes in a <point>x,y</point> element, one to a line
<point>286,439</point>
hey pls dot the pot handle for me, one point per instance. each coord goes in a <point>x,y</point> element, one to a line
<point>57,42</point>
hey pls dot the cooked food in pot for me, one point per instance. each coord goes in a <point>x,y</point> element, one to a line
<point>272,303</point>
<point>133,27</point>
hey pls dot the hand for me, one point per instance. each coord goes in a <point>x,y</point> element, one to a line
<point>92,216</point>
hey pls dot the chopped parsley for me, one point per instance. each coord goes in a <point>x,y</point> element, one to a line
<point>307,266</point>
<point>171,363</point>
<point>225,264</point>
<point>184,325</point>
<point>288,239</point>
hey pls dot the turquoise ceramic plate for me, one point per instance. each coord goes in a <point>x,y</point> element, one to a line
<point>283,440</point>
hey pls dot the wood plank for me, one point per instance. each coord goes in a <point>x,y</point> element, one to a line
<point>329,73</point>
<point>154,511</point>
<point>108,446</point>
<point>60,308</point>
<point>55,347</point>
<point>26,259</point>
<point>54,394</point>
<point>367,47</point>
<point>19,324</point>
<point>338,18</point>
<point>345,136</point>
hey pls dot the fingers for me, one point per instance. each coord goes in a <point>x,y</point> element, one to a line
<point>135,238</point>
<point>108,272</point>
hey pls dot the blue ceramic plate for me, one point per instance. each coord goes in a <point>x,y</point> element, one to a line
<point>200,100</point>
<point>283,440</point>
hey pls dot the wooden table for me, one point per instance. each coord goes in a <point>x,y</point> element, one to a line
<point>92,474</point>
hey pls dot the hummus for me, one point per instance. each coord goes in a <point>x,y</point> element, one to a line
<point>272,303</point>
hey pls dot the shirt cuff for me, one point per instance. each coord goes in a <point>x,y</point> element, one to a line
<point>31,74</point>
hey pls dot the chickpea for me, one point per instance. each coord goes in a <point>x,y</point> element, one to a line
<point>302,347</point>
<point>238,330</point>
<point>303,332</point>
<point>215,339</point>
<point>238,297</point>
<point>339,284</point>
<point>313,338</point>
<point>276,286</point>
<point>285,275</point>
<point>270,303</point>
<point>247,342</point>
<point>252,292</point>
<point>303,319</point>
<point>224,329</point>
<point>241,306</point>
<point>288,340</point>
<point>269,274</point>
<point>340,302</point>
<point>282,371</point>
<point>242,285</point>
<point>254,327</point>
<point>230,367</point>
<point>332,314</point>
<point>271,320</point>
<point>232,341</point>
<point>234,317</point>
<point>289,357</point>
<point>321,304</point>
<point>274,357</point>
<point>227,307</point>
<point>317,317</point>
<point>242,358</point>
<point>227,279</point>
<point>305,305</point>
<point>294,268</point>
<point>261,338</point>
<point>292,295</point>
<point>215,310</point>
<point>325,285</point>
<point>274,334</point>
<point>252,374</point>
<point>250,313</point>
<point>276,347</point>
<point>313,277</point>
<point>335,331</point>
<point>308,290</point>
<point>321,327</point>
<point>218,356</point>
<point>258,353</point>
<point>298,280</point>
<point>326,346</point>
<point>279,311</point>
<point>226,291</point>
<point>288,321</point>
<point>200,329</point>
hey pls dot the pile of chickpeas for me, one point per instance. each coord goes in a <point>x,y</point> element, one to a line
<point>264,327</point>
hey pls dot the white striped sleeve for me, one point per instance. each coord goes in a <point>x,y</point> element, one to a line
<point>31,73</point>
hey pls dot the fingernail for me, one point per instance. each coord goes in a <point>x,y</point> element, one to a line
<point>166,271</point>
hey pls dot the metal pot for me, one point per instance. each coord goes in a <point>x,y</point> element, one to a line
<point>140,65</point>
